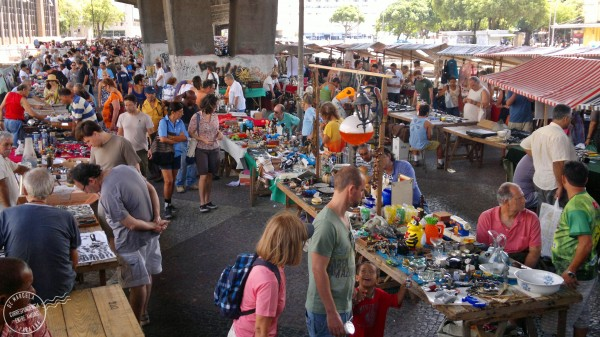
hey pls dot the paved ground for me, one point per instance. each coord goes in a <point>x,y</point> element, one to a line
<point>197,247</point>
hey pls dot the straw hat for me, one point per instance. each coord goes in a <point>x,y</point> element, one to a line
<point>51,77</point>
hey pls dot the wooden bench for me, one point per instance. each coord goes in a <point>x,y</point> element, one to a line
<point>102,311</point>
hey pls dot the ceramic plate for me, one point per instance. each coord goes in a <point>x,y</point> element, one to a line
<point>326,190</point>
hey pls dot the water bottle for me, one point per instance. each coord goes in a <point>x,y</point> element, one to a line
<point>29,158</point>
<point>44,139</point>
<point>345,156</point>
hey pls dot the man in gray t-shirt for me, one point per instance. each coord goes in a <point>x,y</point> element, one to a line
<point>107,150</point>
<point>132,210</point>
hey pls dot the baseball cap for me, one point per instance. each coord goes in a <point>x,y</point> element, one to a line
<point>149,90</point>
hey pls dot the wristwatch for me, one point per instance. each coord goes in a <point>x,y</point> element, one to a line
<point>571,274</point>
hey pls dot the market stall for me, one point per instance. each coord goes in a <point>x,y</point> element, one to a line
<point>516,55</point>
<point>551,80</point>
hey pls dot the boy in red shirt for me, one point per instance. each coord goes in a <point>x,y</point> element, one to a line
<point>370,304</point>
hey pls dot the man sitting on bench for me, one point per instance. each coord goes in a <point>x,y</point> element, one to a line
<point>421,130</point>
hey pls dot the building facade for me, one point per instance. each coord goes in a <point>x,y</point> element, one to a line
<point>23,21</point>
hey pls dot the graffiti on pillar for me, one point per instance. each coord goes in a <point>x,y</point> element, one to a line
<point>165,58</point>
<point>253,72</point>
<point>184,68</point>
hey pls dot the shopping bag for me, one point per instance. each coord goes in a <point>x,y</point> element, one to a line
<point>549,219</point>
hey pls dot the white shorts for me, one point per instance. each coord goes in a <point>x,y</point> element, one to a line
<point>136,267</point>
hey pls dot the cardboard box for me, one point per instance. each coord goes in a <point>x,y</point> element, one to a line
<point>402,191</point>
<point>400,148</point>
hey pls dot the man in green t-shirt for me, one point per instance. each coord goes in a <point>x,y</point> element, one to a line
<point>423,87</point>
<point>289,121</point>
<point>574,248</point>
<point>331,254</point>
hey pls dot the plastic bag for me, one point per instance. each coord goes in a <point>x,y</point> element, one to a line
<point>549,219</point>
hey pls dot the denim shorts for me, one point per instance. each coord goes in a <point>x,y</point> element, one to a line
<point>317,323</point>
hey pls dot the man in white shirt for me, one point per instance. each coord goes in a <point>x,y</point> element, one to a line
<point>63,68</point>
<point>136,127</point>
<point>9,188</point>
<point>550,148</point>
<point>211,75</point>
<point>160,79</point>
<point>236,94</point>
<point>24,72</point>
<point>394,83</point>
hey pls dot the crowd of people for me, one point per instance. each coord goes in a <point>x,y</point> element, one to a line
<point>169,132</point>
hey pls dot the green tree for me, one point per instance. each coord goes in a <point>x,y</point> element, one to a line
<point>567,11</point>
<point>69,16</point>
<point>100,14</point>
<point>529,16</point>
<point>348,16</point>
<point>408,18</point>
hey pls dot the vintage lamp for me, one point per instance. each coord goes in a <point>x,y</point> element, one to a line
<point>358,129</point>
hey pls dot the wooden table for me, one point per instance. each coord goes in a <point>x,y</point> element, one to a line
<point>291,197</point>
<point>408,116</point>
<point>102,311</point>
<point>494,312</point>
<point>475,147</point>
<point>99,266</point>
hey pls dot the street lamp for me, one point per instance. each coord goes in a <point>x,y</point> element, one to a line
<point>358,129</point>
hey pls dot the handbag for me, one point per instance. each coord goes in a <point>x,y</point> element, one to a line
<point>549,220</point>
<point>192,143</point>
<point>163,154</point>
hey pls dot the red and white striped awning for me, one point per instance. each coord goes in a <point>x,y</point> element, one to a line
<point>552,80</point>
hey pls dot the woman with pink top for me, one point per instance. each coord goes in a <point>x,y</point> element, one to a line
<point>280,245</point>
<point>204,127</point>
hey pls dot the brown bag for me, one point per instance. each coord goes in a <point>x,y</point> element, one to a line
<point>399,130</point>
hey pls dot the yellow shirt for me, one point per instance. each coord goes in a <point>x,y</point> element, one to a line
<point>332,130</point>
<point>155,111</point>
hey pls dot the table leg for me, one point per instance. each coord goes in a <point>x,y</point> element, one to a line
<point>531,329</point>
<point>466,329</point>
<point>501,328</point>
<point>453,151</point>
<point>446,151</point>
<point>562,323</point>
<point>102,275</point>
<point>480,159</point>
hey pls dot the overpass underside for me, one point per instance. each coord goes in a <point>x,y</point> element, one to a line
<point>182,33</point>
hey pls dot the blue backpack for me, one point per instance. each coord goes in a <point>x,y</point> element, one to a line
<point>230,287</point>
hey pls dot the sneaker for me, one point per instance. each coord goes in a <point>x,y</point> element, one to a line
<point>204,209</point>
<point>211,205</point>
<point>193,187</point>
<point>168,212</point>
<point>144,320</point>
<point>180,189</point>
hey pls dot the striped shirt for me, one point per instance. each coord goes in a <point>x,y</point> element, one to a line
<point>82,110</point>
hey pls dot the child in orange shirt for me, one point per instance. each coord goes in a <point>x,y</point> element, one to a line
<point>370,304</point>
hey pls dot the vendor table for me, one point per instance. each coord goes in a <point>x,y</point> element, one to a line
<point>493,312</point>
<point>250,93</point>
<point>515,154</point>
<point>408,116</point>
<point>99,266</point>
<point>476,146</point>
<point>291,197</point>
<point>102,311</point>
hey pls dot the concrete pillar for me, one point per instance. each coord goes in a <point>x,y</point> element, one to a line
<point>252,26</point>
<point>189,32</point>
<point>40,14</point>
<point>154,35</point>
